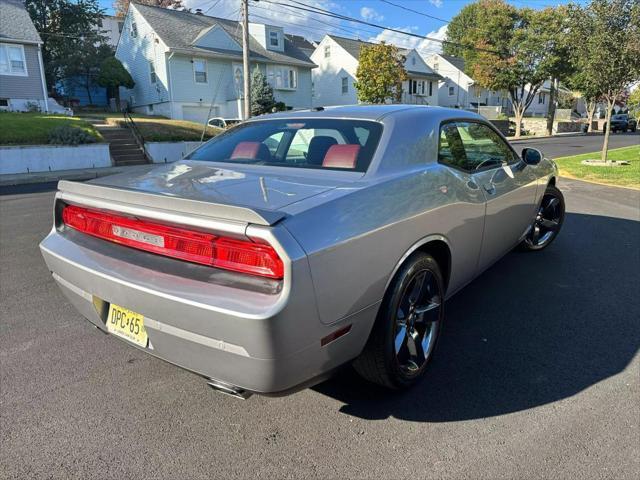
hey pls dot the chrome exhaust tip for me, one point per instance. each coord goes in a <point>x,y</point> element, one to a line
<point>228,389</point>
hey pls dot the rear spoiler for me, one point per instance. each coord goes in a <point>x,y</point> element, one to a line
<point>164,207</point>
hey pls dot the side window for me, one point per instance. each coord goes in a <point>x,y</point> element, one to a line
<point>472,146</point>
<point>483,147</point>
<point>450,150</point>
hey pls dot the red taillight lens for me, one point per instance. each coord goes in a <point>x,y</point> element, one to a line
<point>197,247</point>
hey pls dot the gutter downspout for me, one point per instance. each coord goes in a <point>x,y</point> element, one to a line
<point>44,82</point>
<point>170,82</point>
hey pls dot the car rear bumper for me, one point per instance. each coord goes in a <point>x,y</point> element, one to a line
<point>260,341</point>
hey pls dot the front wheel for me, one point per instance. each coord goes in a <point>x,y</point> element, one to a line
<point>408,325</point>
<point>548,221</point>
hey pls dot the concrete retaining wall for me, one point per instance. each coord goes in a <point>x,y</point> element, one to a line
<point>167,152</point>
<point>44,158</point>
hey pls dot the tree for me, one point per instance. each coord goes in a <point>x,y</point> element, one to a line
<point>634,102</point>
<point>380,74</point>
<point>112,76</point>
<point>83,66</point>
<point>121,6</point>
<point>608,32</point>
<point>262,100</point>
<point>64,26</point>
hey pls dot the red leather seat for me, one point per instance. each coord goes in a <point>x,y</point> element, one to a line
<point>341,156</point>
<point>251,150</point>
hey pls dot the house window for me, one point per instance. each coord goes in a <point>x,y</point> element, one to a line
<point>4,102</point>
<point>541,99</point>
<point>12,61</point>
<point>120,26</point>
<point>452,91</point>
<point>430,88</point>
<point>274,39</point>
<point>345,85</point>
<point>413,60</point>
<point>327,51</point>
<point>134,30</point>
<point>283,78</point>
<point>152,72</point>
<point>436,66</point>
<point>200,70</point>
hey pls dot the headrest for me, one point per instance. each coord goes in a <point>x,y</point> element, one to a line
<point>341,156</point>
<point>251,150</point>
<point>318,147</point>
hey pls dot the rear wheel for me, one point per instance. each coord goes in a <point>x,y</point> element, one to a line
<point>409,322</point>
<point>548,221</point>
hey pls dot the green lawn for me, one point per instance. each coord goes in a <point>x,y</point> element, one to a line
<point>624,176</point>
<point>34,128</point>
<point>158,129</point>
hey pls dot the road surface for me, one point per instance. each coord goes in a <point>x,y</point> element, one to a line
<point>536,376</point>
<point>565,145</point>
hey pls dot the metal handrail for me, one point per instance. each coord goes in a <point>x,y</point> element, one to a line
<point>128,121</point>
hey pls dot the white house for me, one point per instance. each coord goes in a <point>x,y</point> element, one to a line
<point>459,90</point>
<point>189,66</point>
<point>337,59</point>
<point>22,81</point>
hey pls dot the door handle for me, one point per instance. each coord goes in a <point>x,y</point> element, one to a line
<point>490,189</point>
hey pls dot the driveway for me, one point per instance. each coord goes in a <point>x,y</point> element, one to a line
<point>536,376</point>
<point>565,145</point>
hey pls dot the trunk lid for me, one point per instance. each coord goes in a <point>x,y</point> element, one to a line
<point>262,190</point>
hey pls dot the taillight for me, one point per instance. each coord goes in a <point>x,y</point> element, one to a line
<point>192,246</point>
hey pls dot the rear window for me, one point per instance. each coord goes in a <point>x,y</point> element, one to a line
<point>316,143</point>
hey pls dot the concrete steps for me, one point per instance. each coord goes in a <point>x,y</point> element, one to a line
<point>122,145</point>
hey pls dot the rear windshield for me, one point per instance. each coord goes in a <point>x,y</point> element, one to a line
<point>620,117</point>
<point>315,143</point>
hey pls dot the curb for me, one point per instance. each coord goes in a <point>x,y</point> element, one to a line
<point>14,179</point>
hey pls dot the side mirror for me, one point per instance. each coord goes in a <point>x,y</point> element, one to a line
<point>531,156</point>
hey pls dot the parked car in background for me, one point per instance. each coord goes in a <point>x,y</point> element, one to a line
<point>298,242</point>
<point>622,122</point>
<point>220,122</point>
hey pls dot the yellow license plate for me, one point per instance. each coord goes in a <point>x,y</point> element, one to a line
<point>127,324</point>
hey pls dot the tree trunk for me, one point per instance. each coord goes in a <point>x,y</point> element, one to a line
<point>551,113</point>
<point>591,110</point>
<point>518,111</point>
<point>87,87</point>
<point>607,132</point>
<point>116,95</point>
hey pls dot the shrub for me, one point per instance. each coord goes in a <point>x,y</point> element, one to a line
<point>69,135</point>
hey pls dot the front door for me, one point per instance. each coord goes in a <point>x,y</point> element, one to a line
<point>508,184</point>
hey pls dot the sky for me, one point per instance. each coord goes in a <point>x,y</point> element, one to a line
<point>314,26</point>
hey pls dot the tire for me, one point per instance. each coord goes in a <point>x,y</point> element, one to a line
<point>383,359</point>
<point>548,221</point>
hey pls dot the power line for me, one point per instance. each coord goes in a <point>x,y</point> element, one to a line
<point>321,11</point>
<point>415,11</point>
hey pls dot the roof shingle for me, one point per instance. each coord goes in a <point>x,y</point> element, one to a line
<point>178,30</point>
<point>15,22</point>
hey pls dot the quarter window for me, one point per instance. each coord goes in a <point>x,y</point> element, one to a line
<point>12,60</point>
<point>472,146</point>
<point>200,70</point>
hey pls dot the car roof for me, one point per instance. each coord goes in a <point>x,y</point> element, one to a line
<point>368,112</point>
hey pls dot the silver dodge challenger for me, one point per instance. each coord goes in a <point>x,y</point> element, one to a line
<point>295,243</point>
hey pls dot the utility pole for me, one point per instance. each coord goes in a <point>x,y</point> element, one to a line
<point>245,59</point>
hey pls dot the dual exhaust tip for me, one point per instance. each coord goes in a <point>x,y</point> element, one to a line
<point>228,389</point>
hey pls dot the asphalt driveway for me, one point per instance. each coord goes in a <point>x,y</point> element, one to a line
<point>536,376</point>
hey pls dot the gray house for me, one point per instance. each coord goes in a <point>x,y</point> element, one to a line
<point>189,66</point>
<point>22,82</point>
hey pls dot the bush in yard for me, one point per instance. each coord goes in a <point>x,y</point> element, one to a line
<point>262,100</point>
<point>68,135</point>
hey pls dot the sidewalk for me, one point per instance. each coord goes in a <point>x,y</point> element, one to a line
<point>81,174</point>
